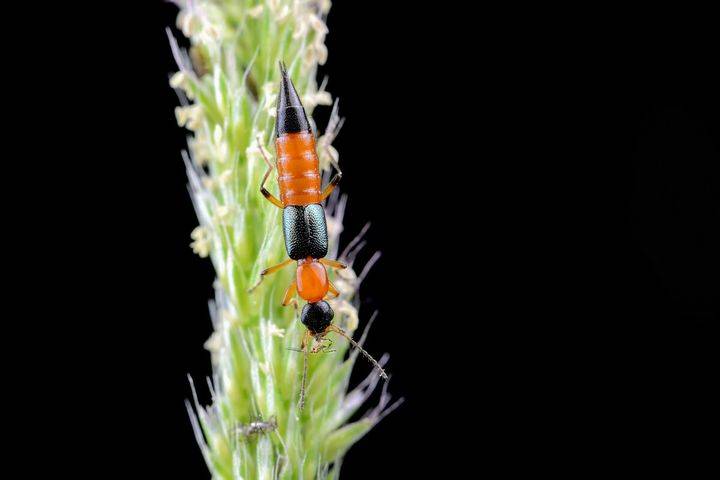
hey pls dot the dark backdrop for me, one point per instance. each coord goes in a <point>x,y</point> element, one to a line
<point>542,185</point>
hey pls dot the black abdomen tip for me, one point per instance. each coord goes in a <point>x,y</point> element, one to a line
<point>291,117</point>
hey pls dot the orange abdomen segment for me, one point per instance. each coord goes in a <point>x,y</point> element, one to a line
<point>298,169</point>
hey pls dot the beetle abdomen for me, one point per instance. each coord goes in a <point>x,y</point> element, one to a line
<point>298,169</point>
<point>305,231</point>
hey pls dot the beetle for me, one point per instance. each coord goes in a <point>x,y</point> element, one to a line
<point>304,224</point>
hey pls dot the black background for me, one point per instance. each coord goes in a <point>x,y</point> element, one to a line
<point>542,185</point>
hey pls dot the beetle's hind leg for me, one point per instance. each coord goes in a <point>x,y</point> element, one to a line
<point>335,180</point>
<point>271,198</point>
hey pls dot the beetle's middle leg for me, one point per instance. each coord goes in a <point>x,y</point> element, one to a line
<point>269,271</point>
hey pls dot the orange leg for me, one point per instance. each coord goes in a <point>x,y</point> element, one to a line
<point>335,180</point>
<point>272,198</point>
<point>333,263</point>
<point>289,295</point>
<point>333,290</point>
<point>271,270</point>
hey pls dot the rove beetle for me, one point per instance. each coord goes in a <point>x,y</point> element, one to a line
<point>304,226</point>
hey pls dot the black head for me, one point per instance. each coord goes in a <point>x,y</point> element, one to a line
<point>317,316</point>
<point>291,117</point>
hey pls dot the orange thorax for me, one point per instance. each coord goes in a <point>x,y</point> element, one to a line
<point>312,280</point>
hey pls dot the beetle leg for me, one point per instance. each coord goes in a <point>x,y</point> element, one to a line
<point>335,180</point>
<point>269,271</point>
<point>332,290</point>
<point>290,295</point>
<point>333,263</point>
<point>272,198</point>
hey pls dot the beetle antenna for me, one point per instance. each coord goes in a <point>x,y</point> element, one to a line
<point>356,345</point>
<point>305,348</point>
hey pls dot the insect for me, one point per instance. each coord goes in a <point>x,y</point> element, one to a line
<point>304,226</point>
<point>257,427</point>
